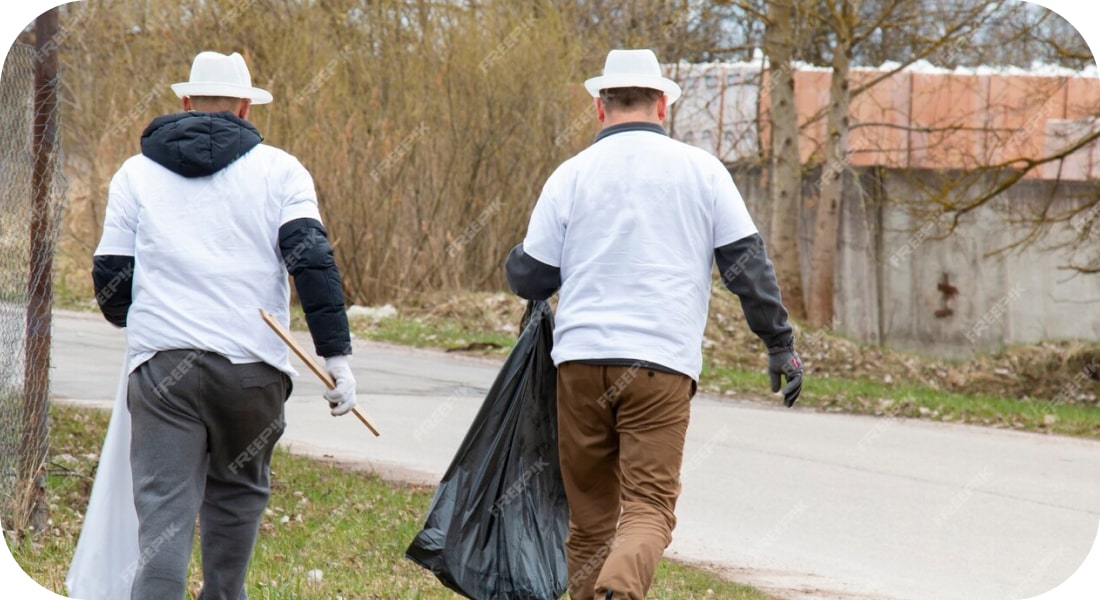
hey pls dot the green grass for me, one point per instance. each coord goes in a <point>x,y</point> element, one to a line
<point>857,395</point>
<point>840,394</point>
<point>351,525</point>
<point>903,399</point>
<point>447,334</point>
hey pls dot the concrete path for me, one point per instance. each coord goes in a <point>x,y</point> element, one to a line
<point>802,504</point>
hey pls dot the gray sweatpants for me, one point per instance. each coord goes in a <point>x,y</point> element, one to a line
<point>203,433</point>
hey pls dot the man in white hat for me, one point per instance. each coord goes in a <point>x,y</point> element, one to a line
<point>628,230</point>
<point>200,232</point>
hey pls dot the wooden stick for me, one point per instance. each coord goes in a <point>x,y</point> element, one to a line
<point>310,362</point>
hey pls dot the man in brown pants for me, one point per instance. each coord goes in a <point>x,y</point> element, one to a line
<point>628,231</point>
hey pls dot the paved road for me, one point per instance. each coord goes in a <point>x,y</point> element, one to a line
<point>803,504</point>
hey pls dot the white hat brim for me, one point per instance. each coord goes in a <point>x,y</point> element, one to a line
<point>188,88</point>
<point>603,82</point>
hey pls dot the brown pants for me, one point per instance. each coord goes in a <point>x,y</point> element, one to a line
<point>621,439</point>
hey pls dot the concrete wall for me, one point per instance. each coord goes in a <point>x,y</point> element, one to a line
<point>897,267</point>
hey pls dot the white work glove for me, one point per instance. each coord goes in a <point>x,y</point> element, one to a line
<point>341,399</point>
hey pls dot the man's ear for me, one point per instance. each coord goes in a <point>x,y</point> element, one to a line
<point>243,108</point>
<point>187,104</point>
<point>662,108</point>
<point>601,114</point>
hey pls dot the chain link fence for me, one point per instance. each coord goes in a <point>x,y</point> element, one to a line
<point>24,242</point>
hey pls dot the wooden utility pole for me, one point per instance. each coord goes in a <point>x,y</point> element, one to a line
<point>36,374</point>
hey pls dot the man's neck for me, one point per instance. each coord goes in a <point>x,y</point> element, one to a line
<point>634,117</point>
<point>629,126</point>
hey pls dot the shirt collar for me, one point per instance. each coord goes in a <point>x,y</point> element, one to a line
<point>631,126</point>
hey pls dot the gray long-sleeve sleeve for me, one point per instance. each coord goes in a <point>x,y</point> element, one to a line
<point>529,278</point>
<point>748,273</point>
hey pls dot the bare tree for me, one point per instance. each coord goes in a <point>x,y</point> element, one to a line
<point>946,29</point>
<point>785,161</point>
<point>843,14</point>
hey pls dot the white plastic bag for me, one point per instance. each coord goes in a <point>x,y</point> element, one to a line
<point>107,555</point>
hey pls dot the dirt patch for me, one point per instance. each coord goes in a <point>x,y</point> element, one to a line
<point>496,312</point>
<point>787,584</point>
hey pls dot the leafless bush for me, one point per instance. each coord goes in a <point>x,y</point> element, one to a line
<point>429,127</point>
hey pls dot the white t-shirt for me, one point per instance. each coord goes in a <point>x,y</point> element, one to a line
<point>206,253</point>
<point>632,222</point>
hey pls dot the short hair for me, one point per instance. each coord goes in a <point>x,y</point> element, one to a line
<point>629,98</point>
<point>215,103</point>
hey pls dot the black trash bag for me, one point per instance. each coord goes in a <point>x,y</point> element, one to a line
<point>496,528</point>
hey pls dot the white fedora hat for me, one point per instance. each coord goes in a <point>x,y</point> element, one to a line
<point>633,68</point>
<point>216,74</point>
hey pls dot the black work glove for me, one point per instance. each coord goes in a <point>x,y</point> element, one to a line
<point>784,362</point>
